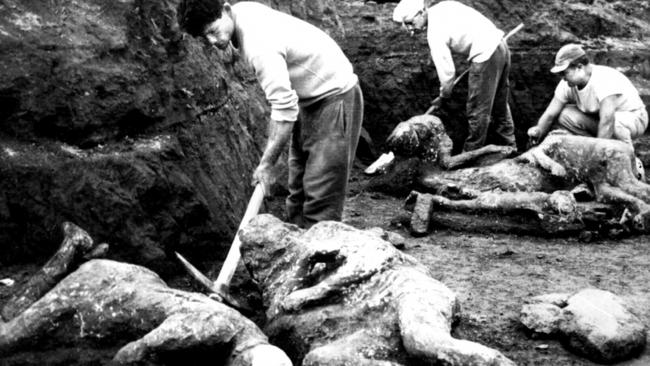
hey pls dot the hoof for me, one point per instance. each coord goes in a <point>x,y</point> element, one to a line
<point>641,222</point>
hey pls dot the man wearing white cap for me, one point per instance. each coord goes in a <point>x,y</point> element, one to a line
<point>454,27</point>
<point>591,100</point>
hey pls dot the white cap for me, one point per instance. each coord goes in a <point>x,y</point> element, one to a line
<point>406,10</point>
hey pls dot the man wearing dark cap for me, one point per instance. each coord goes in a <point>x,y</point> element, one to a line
<point>591,100</point>
<point>316,102</point>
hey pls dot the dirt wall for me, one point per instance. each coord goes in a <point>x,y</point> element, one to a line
<point>115,120</point>
<point>399,79</point>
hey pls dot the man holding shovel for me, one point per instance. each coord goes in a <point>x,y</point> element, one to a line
<point>316,101</point>
<point>454,27</point>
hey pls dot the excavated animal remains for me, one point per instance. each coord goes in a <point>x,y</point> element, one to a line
<point>336,295</point>
<point>531,192</point>
<point>108,304</point>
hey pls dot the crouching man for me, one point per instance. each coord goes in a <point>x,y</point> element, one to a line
<point>316,101</point>
<point>591,100</point>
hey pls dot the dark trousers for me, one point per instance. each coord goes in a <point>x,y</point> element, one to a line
<point>321,154</point>
<point>488,98</point>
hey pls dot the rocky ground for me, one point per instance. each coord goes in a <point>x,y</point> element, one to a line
<point>491,273</point>
<point>494,273</point>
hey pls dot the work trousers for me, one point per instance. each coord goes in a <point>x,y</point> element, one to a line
<point>488,89</point>
<point>321,153</point>
<point>627,124</point>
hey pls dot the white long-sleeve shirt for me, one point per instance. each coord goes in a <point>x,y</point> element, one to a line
<point>453,27</point>
<point>295,62</point>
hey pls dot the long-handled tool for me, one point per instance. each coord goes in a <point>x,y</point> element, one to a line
<point>387,158</point>
<point>436,102</point>
<point>219,288</point>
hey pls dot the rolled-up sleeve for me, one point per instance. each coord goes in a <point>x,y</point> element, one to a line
<point>441,55</point>
<point>273,75</point>
<point>563,92</point>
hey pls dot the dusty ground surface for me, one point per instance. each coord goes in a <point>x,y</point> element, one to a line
<point>491,273</point>
<point>494,273</point>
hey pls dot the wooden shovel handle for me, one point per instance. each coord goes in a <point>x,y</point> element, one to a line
<point>230,264</point>
<point>464,73</point>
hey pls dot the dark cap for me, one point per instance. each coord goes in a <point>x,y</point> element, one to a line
<point>566,55</point>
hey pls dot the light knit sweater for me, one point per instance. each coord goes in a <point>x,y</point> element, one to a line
<point>454,27</point>
<point>295,62</point>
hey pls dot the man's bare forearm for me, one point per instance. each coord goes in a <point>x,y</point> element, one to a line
<point>279,134</point>
<point>606,127</point>
<point>546,120</point>
<point>606,121</point>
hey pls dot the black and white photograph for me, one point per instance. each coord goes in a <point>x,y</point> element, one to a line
<point>324,182</point>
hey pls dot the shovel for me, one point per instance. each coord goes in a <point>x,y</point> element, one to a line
<point>219,288</point>
<point>387,158</point>
<point>435,104</point>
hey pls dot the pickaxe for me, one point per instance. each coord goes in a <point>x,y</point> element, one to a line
<point>219,288</point>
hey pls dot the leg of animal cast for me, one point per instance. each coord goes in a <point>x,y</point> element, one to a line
<point>35,321</point>
<point>334,270</point>
<point>317,264</point>
<point>76,247</point>
<point>632,186</point>
<point>641,210</point>
<point>425,310</point>
<point>447,161</point>
<point>537,156</point>
<point>561,202</point>
<point>215,332</point>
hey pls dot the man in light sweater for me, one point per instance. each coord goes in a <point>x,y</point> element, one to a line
<point>454,27</point>
<point>316,101</point>
<point>591,100</point>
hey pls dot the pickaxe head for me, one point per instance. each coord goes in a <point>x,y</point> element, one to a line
<point>218,293</point>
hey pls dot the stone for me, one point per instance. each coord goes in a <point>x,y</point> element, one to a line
<point>541,318</point>
<point>598,325</point>
<point>593,323</point>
